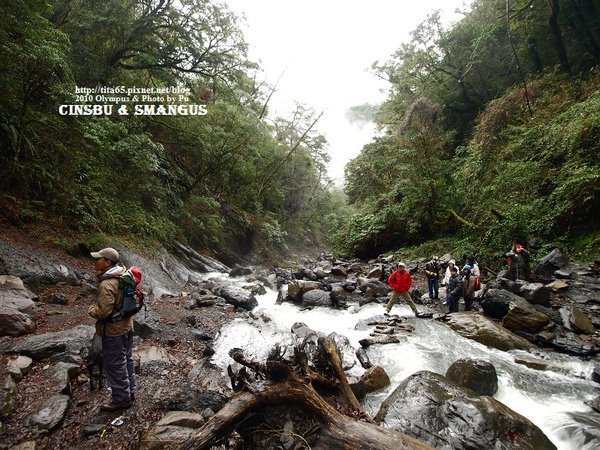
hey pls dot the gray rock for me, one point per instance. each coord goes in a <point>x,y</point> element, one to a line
<point>594,404</point>
<point>580,321</point>
<point>19,366</point>
<point>15,323</point>
<point>477,375</point>
<point>431,408</point>
<point>61,375</point>
<point>497,302</point>
<point>316,297</point>
<point>146,323</point>
<point>14,295</point>
<point>563,274</point>
<point>8,396</point>
<point>553,261</point>
<point>197,261</point>
<point>36,268</point>
<point>567,342</point>
<point>175,428</point>
<point>239,271</point>
<point>37,347</point>
<point>522,317</point>
<point>238,297</point>
<point>51,414</point>
<point>474,326</point>
<point>536,293</point>
<point>372,380</point>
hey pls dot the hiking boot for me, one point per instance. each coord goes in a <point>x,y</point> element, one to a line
<point>125,404</point>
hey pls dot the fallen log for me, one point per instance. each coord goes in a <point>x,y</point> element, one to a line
<point>379,339</point>
<point>317,385</point>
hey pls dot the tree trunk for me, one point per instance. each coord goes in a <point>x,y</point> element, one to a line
<point>320,388</point>
<point>559,45</point>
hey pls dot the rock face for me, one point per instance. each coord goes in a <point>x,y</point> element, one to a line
<point>431,408</point>
<point>37,269</point>
<point>474,326</point>
<point>479,376</point>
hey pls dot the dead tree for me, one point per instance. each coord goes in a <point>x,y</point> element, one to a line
<point>313,378</point>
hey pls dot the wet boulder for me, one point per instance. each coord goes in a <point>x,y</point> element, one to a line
<point>373,379</point>
<point>239,271</point>
<point>550,263</point>
<point>317,297</point>
<point>437,411</point>
<point>567,342</point>
<point>522,316</point>
<point>238,297</point>
<point>15,323</point>
<point>496,303</point>
<point>580,322</point>
<point>536,293</point>
<point>475,326</point>
<point>477,375</point>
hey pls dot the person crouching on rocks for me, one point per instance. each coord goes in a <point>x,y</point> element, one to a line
<point>401,281</point>
<point>454,290</point>
<point>469,281</point>
<point>117,336</point>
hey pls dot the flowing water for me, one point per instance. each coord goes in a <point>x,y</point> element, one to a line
<point>552,399</point>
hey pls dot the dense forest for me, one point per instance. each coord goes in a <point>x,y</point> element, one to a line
<point>231,180</point>
<point>490,133</point>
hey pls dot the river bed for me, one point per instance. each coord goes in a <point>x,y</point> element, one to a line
<point>552,399</point>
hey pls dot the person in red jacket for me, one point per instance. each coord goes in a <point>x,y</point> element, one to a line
<point>400,281</point>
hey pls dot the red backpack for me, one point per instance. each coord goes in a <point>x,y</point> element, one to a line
<point>477,283</point>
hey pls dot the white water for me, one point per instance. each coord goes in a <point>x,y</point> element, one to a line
<point>544,397</point>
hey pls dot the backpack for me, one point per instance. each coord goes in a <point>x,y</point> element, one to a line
<point>477,284</point>
<point>133,298</point>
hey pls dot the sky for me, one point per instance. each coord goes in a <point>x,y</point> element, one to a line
<point>324,49</point>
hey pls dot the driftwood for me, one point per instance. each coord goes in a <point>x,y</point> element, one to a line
<point>317,385</point>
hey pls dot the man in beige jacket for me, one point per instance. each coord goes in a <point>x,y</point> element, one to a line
<point>117,336</point>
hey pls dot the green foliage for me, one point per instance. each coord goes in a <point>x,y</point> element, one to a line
<point>490,132</point>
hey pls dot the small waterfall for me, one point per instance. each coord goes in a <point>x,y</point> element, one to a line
<point>553,399</point>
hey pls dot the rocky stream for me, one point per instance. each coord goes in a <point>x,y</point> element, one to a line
<point>519,372</point>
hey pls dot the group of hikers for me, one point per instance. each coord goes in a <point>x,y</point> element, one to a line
<point>459,283</point>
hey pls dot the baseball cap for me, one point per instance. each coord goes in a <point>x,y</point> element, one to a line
<point>108,253</point>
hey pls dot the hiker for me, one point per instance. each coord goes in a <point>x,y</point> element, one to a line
<point>432,271</point>
<point>518,262</point>
<point>400,281</point>
<point>454,290</point>
<point>451,264</point>
<point>470,260</point>
<point>117,336</point>
<point>469,281</point>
